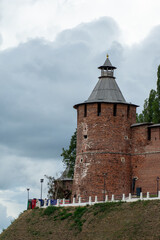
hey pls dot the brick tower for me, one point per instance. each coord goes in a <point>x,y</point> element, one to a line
<point>103,161</point>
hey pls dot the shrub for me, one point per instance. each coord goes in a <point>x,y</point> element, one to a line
<point>66,216</point>
<point>78,222</point>
<point>49,210</point>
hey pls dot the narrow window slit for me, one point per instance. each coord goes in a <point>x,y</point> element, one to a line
<point>99,109</point>
<point>85,110</point>
<point>128,111</point>
<point>149,134</point>
<point>115,109</point>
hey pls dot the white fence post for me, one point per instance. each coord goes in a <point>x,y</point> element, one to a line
<point>63,201</point>
<point>38,203</point>
<point>49,202</point>
<point>158,194</point>
<point>123,197</point>
<point>45,202</point>
<point>130,196</point>
<point>57,202</point>
<point>106,199</point>
<point>79,200</point>
<point>74,200</point>
<point>141,195</point>
<point>112,198</point>
<point>90,200</point>
<point>96,199</point>
<point>147,195</point>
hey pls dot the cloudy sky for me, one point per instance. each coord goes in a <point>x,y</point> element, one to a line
<point>49,54</point>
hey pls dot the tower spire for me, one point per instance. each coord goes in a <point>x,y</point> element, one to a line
<point>107,70</point>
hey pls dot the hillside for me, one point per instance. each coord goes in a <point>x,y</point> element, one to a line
<point>138,220</point>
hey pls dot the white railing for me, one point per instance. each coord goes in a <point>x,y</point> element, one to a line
<point>124,198</point>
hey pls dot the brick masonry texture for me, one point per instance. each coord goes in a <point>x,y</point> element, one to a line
<point>108,144</point>
<point>145,162</point>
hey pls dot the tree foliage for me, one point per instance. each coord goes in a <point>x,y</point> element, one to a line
<point>50,185</point>
<point>69,155</point>
<point>57,188</point>
<point>151,107</point>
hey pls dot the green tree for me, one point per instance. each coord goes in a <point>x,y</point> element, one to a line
<point>151,107</point>
<point>50,185</point>
<point>69,155</point>
<point>57,188</point>
<point>158,82</point>
<point>157,100</point>
<point>139,118</point>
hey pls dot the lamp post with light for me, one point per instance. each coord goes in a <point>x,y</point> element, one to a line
<point>28,197</point>
<point>28,192</point>
<point>41,181</point>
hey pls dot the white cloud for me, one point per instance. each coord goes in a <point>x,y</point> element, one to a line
<point>26,172</point>
<point>4,220</point>
<point>23,20</point>
<point>138,68</point>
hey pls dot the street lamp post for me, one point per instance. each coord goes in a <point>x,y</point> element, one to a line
<point>28,192</point>
<point>104,191</point>
<point>158,185</point>
<point>28,197</point>
<point>41,181</point>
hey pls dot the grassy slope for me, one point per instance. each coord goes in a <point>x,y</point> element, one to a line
<point>139,220</point>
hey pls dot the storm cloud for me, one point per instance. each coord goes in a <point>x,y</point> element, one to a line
<point>40,82</point>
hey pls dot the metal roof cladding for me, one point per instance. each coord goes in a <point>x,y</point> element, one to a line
<point>106,90</point>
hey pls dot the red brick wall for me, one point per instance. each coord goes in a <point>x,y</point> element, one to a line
<point>103,146</point>
<point>146,158</point>
<point>89,179</point>
<point>108,144</point>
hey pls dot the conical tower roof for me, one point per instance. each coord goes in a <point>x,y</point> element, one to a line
<point>106,90</point>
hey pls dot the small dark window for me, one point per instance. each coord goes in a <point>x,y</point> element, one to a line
<point>149,134</point>
<point>78,113</point>
<point>115,109</point>
<point>85,110</point>
<point>128,111</point>
<point>99,109</point>
<point>85,136</point>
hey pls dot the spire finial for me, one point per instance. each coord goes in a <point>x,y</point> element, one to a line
<point>107,56</point>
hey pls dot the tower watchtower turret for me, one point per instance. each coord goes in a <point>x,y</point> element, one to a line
<point>103,139</point>
<point>107,70</point>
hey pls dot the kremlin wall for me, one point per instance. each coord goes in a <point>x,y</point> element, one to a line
<point>115,155</point>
